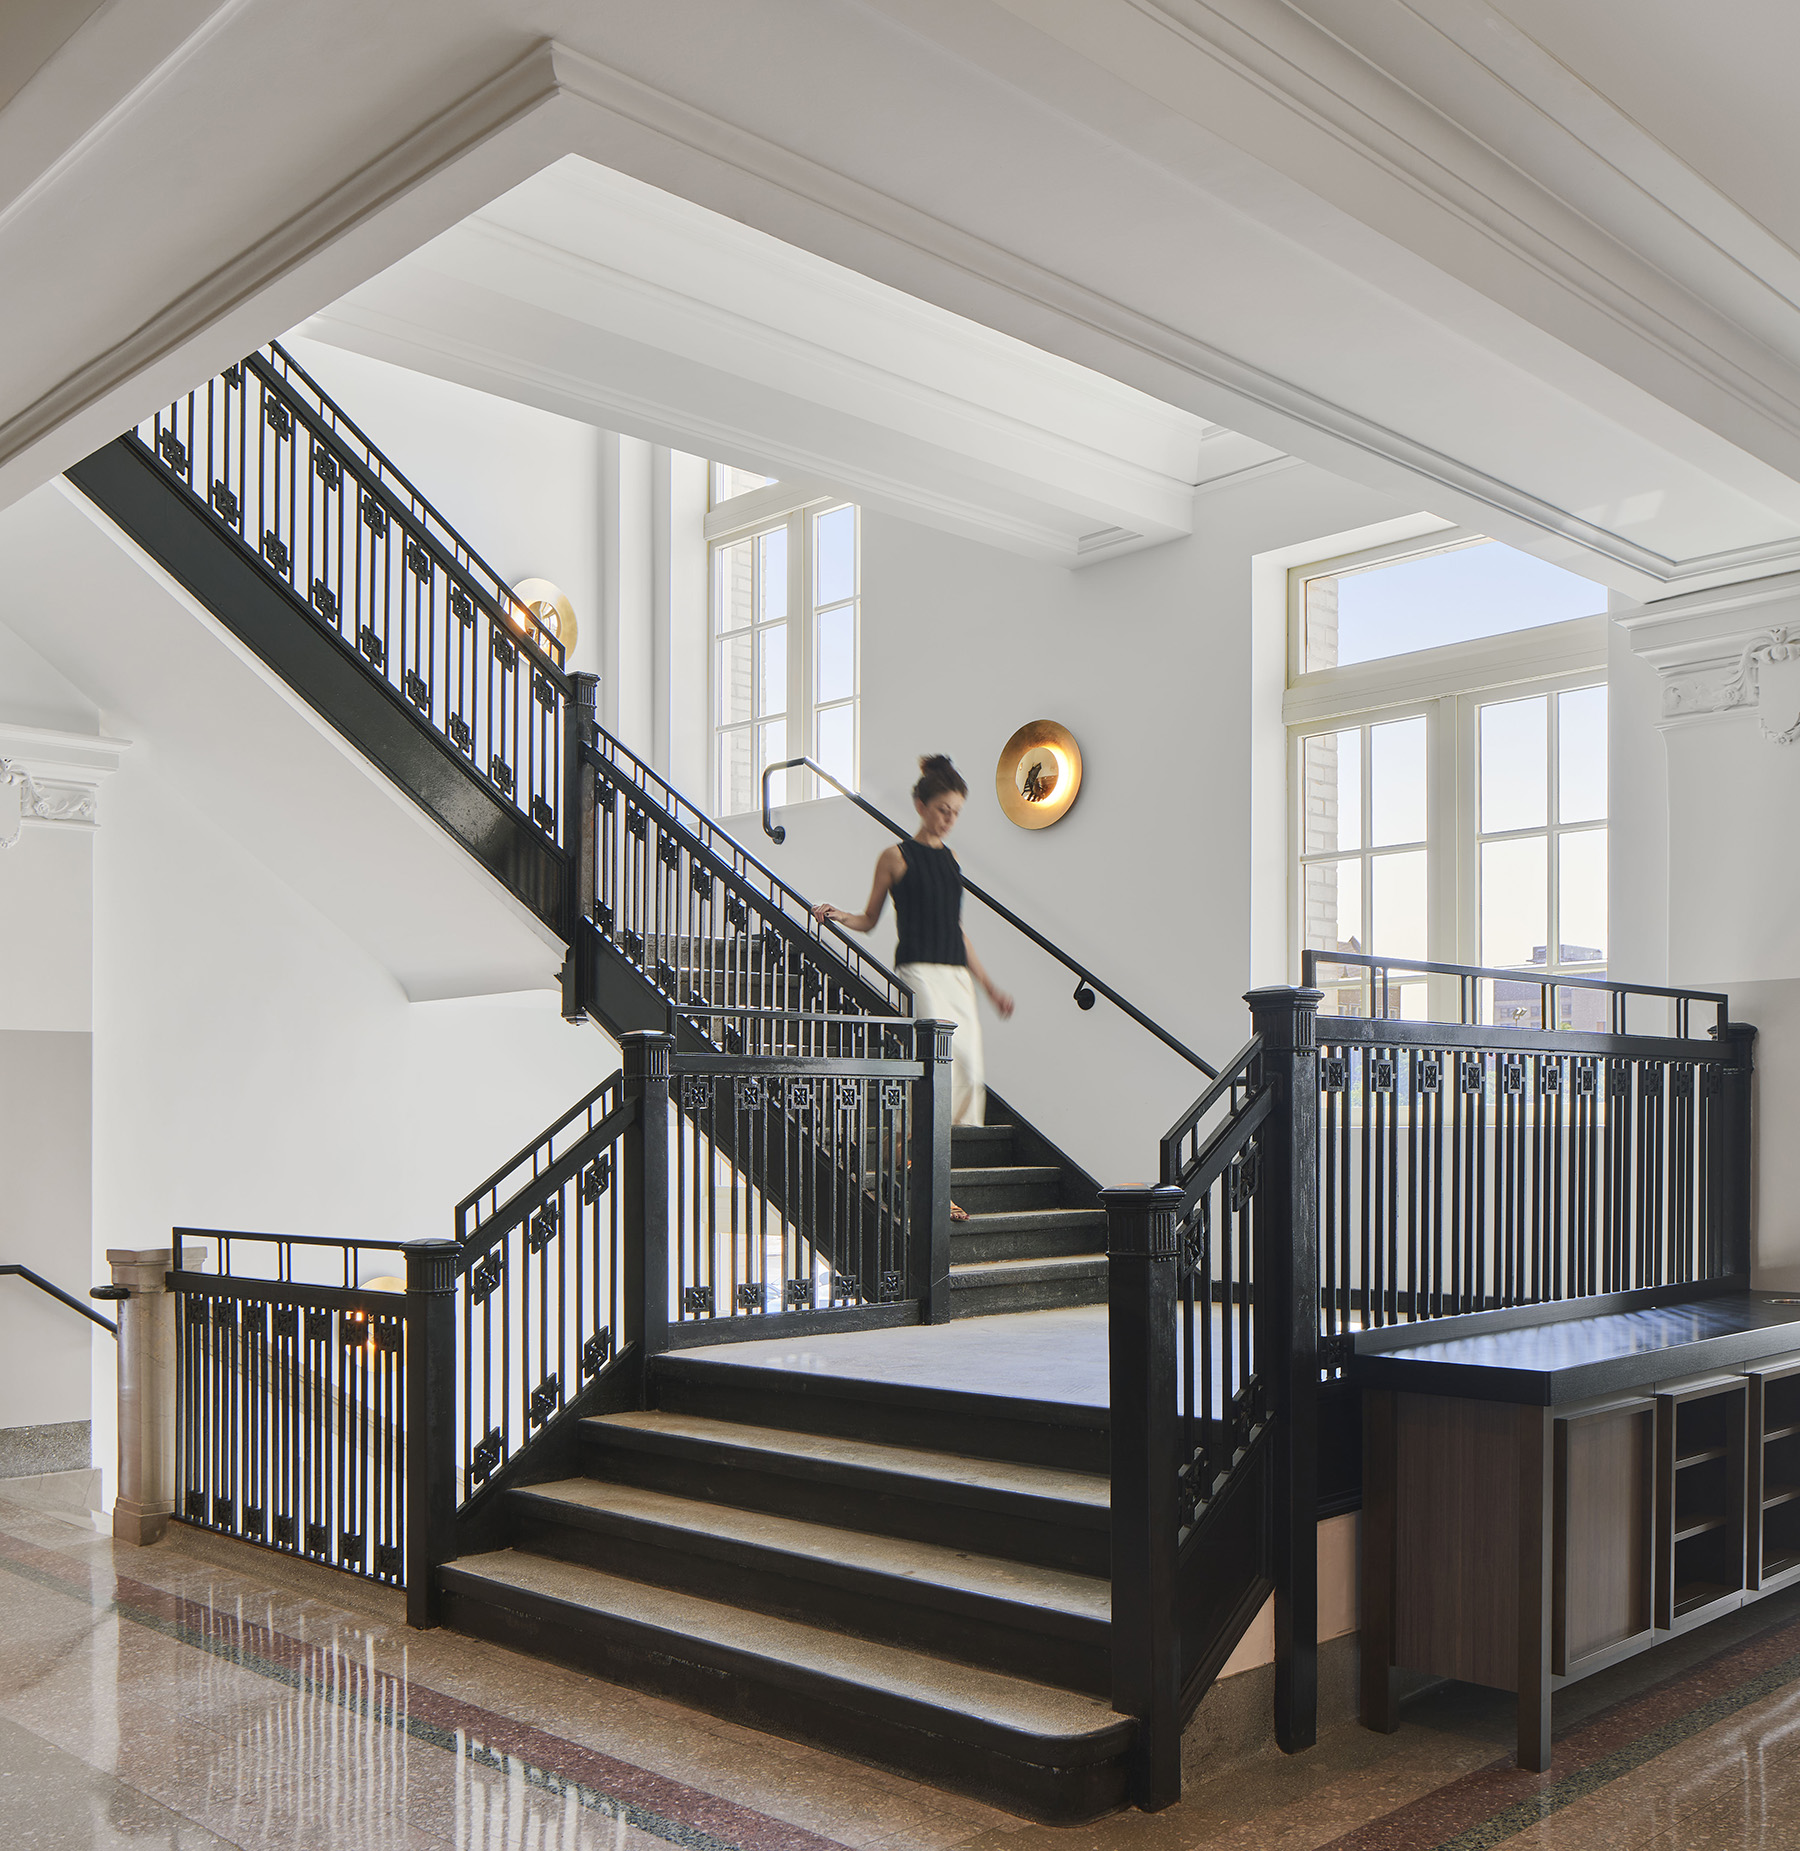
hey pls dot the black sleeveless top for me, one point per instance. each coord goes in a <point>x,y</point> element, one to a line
<point>928,903</point>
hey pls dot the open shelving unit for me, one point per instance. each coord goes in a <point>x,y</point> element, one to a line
<point>1703,1514</point>
<point>1773,1504</point>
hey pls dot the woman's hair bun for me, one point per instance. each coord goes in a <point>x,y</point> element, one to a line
<point>937,775</point>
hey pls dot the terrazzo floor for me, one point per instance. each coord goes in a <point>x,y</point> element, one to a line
<point>201,1693</point>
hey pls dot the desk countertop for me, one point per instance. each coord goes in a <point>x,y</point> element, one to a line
<point>1572,1358</point>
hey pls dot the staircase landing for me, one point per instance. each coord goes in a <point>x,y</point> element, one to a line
<point>1054,1358</point>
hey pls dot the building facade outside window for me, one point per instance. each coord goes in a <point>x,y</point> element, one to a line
<point>786,639</point>
<point>1446,709</point>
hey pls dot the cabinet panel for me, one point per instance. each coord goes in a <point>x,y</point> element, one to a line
<point>1605,1532</point>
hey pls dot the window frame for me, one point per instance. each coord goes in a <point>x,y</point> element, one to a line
<point>797,507</point>
<point>1448,685</point>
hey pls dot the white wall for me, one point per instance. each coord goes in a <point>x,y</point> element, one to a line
<point>46,1018</point>
<point>1147,660</point>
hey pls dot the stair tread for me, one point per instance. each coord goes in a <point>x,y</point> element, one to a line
<point>1013,1704</point>
<point>998,1272</point>
<point>992,1475</point>
<point>927,1565</point>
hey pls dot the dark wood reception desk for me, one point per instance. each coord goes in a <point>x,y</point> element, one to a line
<point>1544,1495</point>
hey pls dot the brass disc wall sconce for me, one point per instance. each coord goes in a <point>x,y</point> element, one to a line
<point>550,605</point>
<point>1038,775</point>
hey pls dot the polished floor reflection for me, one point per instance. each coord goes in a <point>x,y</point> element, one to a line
<point>201,1694</point>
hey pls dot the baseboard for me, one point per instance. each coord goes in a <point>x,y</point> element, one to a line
<point>1235,1720</point>
<point>63,1446</point>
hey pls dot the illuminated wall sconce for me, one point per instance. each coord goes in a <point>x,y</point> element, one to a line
<point>549,604</point>
<point>1039,774</point>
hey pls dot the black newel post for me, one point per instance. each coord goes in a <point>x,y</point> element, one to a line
<point>1288,1246</point>
<point>1731,1151</point>
<point>581,732</point>
<point>645,1294</point>
<point>929,1262</point>
<point>1146,1518</point>
<point>432,1269</point>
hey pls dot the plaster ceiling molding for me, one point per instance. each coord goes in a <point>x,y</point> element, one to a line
<point>1396,239</point>
<point>51,779</point>
<point>607,299</point>
<point>1732,651</point>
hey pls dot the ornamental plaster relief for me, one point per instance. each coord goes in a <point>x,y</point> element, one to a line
<point>52,779</point>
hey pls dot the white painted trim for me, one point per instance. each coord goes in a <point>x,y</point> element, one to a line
<point>1574,648</point>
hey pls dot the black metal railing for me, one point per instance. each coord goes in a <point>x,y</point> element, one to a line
<point>290,1400</point>
<point>539,1273</point>
<point>281,471</point>
<point>1213,1385</point>
<point>1465,1166</point>
<point>792,1192</point>
<point>1087,985</point>
<point>64,1298</point>
<point>708,926</point>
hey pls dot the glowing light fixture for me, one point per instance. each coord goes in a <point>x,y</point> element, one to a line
<point>550,605</point>
<point>1039,774</point>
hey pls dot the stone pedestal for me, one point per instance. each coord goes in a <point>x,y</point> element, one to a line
<point>146,1497</point>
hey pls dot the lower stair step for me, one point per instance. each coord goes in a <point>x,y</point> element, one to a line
<point>990,1286</point>
<point>1052,1754</point>
<point>1036,1622</point>
<point>1025,1513</point>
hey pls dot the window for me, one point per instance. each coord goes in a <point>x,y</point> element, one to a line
<point>786,642</point>
<point>1449,798</point>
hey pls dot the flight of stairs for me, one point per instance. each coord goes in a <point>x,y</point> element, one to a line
<point>905,1577</point>
<point>1036,1234</point>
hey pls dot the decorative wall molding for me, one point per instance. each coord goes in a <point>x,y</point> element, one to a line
<point>52,779</point>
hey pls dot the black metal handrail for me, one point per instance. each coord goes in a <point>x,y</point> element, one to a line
<point>1086,985</point>
<point>1470,977</point>
<point>56,1292</point>
<point>275,465</point>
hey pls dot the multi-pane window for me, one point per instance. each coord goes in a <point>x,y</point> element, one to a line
<point>1363,869</point>
<point>1449,802</point>
<point>785,652</point>
<point>1540,845</point>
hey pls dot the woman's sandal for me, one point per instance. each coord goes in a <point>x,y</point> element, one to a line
<point>958,1214</point>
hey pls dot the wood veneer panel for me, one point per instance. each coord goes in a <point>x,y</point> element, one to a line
<point>1605,1530</point>
<point>1456,1538</point>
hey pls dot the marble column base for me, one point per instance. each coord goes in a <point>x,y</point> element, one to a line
<point>137,1523</point>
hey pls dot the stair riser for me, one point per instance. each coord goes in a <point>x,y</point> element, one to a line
<point>887,1732</point>
<point>1004,1198</point>
<point>1047,1243</point>
<point>982,1301</point>
<point>1052,1538</point>
<point>981,1148</point>
<point>975,1429</point>
<point>975,1631</point>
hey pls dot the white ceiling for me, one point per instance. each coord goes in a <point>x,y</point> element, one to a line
<point>1533,267</point>
<point>598,297</point>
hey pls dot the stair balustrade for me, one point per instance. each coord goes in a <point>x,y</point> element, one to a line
<point>291,1398</point>
<point>265,460</point>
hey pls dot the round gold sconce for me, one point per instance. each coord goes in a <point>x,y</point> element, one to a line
<point>1038,774</point>
<point>551,607</point>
